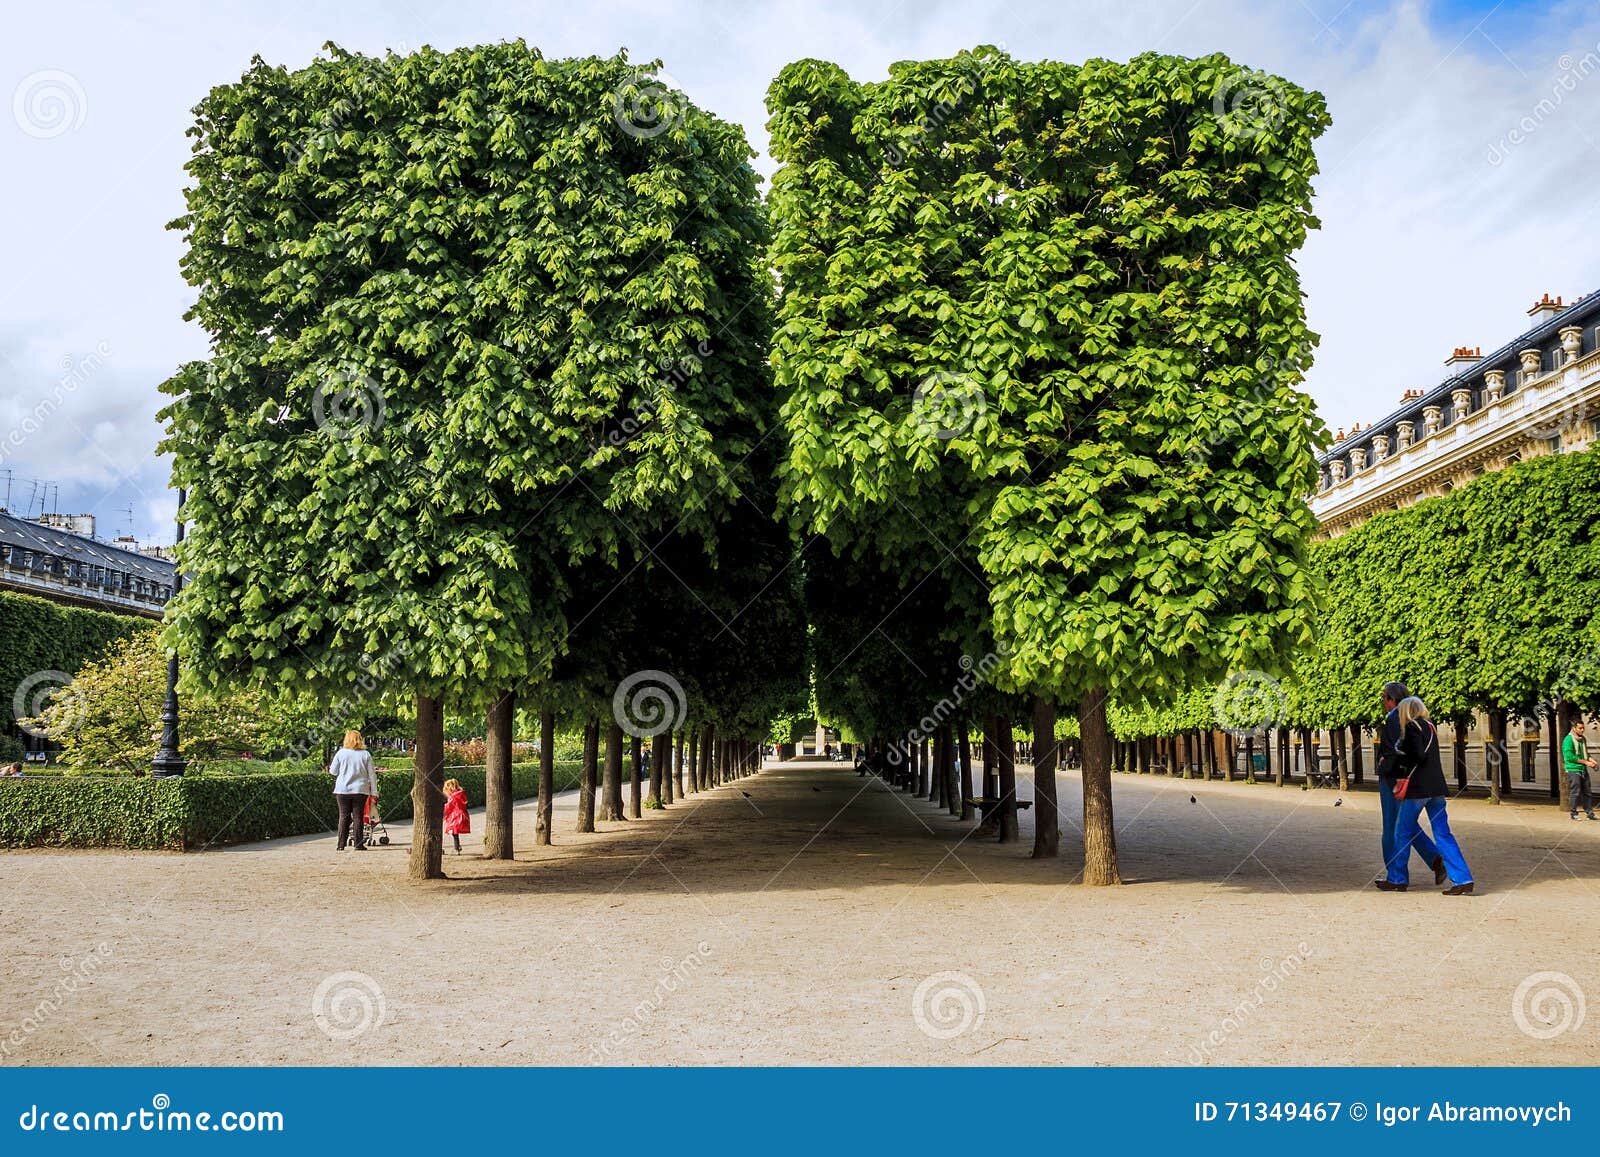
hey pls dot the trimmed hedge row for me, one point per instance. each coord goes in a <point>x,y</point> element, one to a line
<point>199,811</point>
<point>43,636</point>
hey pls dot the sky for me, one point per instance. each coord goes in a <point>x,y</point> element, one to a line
<point>1457,184</point>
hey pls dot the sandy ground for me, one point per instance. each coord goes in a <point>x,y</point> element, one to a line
<point>821,918</point>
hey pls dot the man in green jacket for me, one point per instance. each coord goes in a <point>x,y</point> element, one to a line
<point>1575,758</point>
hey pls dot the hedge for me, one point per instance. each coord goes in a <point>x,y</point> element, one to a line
<point>43,636</point>
<point>199,811</point>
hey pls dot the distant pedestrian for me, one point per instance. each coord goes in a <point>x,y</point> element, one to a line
<point>354,780</point>
<point>1418,785</point>
<point>1575,758</point>
<point>1388,806</point>
<point>456,820</point>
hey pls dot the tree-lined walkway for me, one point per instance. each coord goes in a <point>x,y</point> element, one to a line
<point>798,923</point>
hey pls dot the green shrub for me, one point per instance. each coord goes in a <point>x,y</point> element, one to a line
<point>199,811</point>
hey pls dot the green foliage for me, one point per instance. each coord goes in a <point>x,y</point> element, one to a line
<point>197,811</point>
<point>1481,598</point>
<point>468,337</point>
<point>36,636</point>
<point>1049,313</point>
<point>111,715</point>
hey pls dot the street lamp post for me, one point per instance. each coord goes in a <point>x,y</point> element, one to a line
<point>169,760</point>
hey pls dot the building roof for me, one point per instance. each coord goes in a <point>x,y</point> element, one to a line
<point>19,532</point>
<point>1580,312</point>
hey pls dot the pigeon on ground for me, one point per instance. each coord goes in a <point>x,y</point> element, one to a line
<point>745,794</point>
<point>1337,802</point>
<point>816,789</point>
<point>1193,800</point>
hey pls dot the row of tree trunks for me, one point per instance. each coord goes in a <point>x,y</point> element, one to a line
<point>697,761</point>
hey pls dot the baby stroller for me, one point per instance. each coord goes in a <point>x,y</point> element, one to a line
<point>373,830</point>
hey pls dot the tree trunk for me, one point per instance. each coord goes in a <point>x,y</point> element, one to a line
<point>667,793</point>
<point>498,731</point>
<point>611,780</point>
<point>991,762</point>
<point>1282,769</point>
<point>427,793</point>
<point>1099,828</point>
<point>1336,738</point>
<point>658,756</point>
<point>1460,754</point>
<point>1009,832</point>
<point>691,750</point>
<point>966,772</point>
<point>952,792</point>
<point>1356,742</point>
<point>1046,820</point>
<point>1496,755</point>
<point>586,785</point>
<point>708,751</point>
<point>636,779</point>
<point>1556,775</point>
<point>545,811</point>
<point>1567,715</point>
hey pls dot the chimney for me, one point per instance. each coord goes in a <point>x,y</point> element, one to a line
<point>1465,356</point>
<point>1545,308</point>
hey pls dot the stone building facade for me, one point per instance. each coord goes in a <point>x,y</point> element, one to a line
<point>1537,394</point>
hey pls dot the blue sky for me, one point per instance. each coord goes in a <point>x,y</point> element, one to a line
<point>1457,185</point>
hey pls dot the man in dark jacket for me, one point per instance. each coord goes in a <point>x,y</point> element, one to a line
<point>1387,757</point>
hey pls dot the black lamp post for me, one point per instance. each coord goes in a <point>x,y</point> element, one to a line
<point>169,760</point>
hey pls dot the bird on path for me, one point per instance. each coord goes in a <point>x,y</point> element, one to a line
<point>1193,800</point>
<point>816,789</point>
<point>745,794</point>
<point>1338,802</point>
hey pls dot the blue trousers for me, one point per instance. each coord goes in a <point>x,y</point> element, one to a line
<point>1408,827</point>
<point>1391,813</point>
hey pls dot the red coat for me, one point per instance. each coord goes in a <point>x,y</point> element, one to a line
<point>456,821</point>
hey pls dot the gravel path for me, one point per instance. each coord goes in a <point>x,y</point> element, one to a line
<point>809,916</point>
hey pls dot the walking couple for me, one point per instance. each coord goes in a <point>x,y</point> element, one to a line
<point>1410,782</point>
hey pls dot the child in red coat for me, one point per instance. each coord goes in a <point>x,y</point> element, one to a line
<point>456,820</point>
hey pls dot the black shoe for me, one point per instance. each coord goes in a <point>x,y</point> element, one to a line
<point>361,847</point>
<point>1386,886</point>
<point>1439,874</point>
<point>1459,890</point>
<point>1593,816</point>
